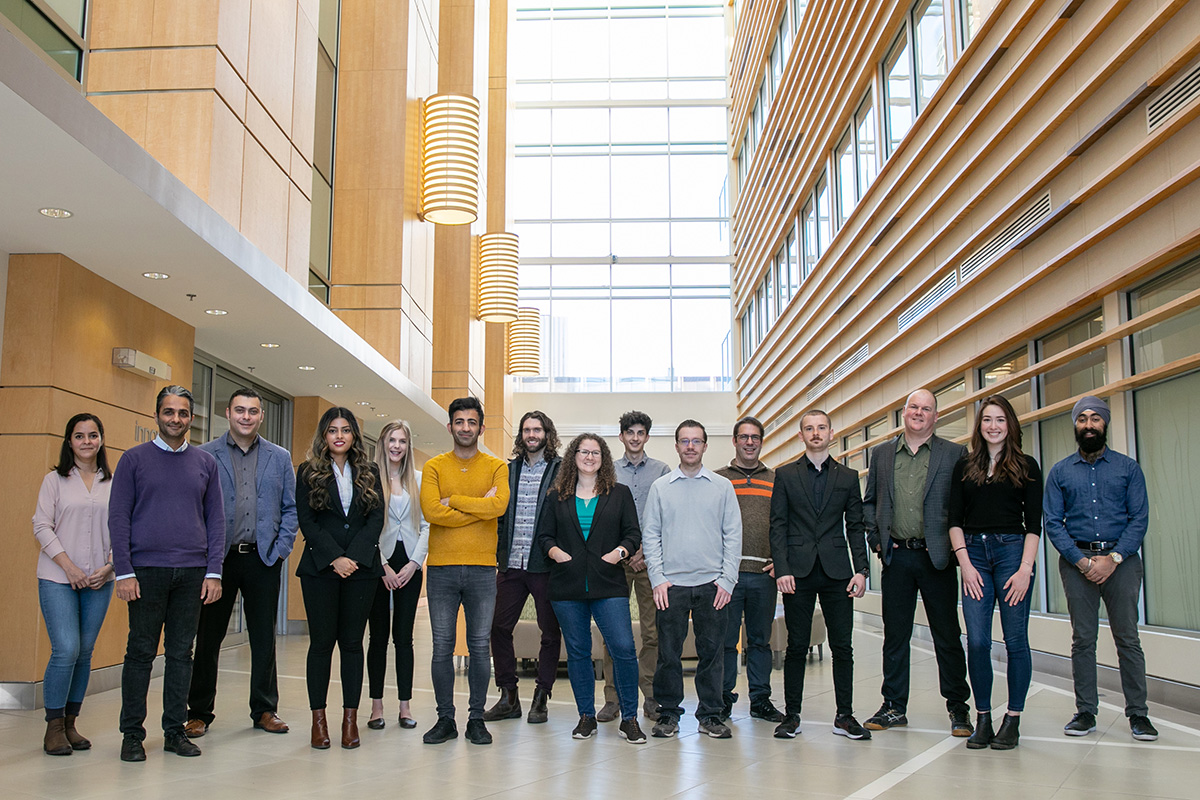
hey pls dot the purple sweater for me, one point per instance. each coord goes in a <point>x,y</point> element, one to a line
<point>166,510</point>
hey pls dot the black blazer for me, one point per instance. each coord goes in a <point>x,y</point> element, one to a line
<point>330,534</point>
<point>506,526</point>
<point>803,535</point>
<point>586,576</point>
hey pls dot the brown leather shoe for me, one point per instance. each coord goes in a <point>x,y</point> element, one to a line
<point>350,728</point>
<point>270,722</point>
<point>55,743</point>
<point>320,730</point>
<point>195,728</point>
<point>78,740</point>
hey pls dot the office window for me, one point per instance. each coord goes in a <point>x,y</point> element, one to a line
<point>932,57</point>
<point>781,278</point>
<point>1018,395</point>
<point>798,9</point>
<point>824,217</point>
<point>60,39</point>
<point>951,424</point>
<point>321,225</point>
<point>812,244</point>
<point>1079,375</point>
<point>844,161</point>
<point>898,91</point>
<point>771,297</point>
<point>1171,339</point>
<point>793,259</point>
<point>868,156</point>
<point>777,65</point>
<point>973,14</point>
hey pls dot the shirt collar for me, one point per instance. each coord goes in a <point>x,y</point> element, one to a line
<point>677,474</point>
<point>229,441</point>
<point>625,462</point>
<point>161,445</point>
<point>902,444</point>
<point>1079,459</point>
<point>810,465</point>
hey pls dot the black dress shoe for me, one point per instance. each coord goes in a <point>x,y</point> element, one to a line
<point>132,750</point>
<point>376,724</point>
<point>180,745</point>
<point>408,723</point>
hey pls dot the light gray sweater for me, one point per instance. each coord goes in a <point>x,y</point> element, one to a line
<point>692,530</point>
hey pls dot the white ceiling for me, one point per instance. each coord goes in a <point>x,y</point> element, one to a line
<point>130,216</point>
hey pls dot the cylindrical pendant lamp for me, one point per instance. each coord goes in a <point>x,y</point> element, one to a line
<point>524,342</point>
<point>450,159</point>
<point>498,254</point>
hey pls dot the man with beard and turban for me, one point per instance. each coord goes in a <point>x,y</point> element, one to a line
<point>1096,513</point>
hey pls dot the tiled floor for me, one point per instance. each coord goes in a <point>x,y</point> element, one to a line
<point>527,761</point>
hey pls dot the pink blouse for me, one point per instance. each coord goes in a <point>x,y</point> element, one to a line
<point>71,519</point>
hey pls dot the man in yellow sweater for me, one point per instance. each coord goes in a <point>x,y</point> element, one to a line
<point>463,492</point>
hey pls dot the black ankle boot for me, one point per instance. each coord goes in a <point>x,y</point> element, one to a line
<point>507,707</point>
<point>537,709</point>
<point>1009,734</point>
<point>983,735</point>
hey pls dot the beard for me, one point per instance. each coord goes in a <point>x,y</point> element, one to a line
<point>1091,441</point>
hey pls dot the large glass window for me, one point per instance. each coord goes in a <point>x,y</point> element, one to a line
<point>1079,375</point>
<point>868,156</point>
<point>59,38</point>
<point>951,424</point>
<point>1171,339</point>
<point>824,218</point>
<point>845,161</point>
<point>898,91</point>
<point>932,57</point>
<point>974,13</point>
<point>618,191</point>
<point>1018,395</point>
<point>323,142</point>
<point>812,243</point>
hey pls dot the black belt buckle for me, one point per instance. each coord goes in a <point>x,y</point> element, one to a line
<point>911,544</point>
<point>244,547</point>
<point>1095,547</point>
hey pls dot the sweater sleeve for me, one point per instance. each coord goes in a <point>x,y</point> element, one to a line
<point>652,537</point>
<point>120,514</point>
<point>431,502</point>
<point>486,507</point>
<point>957,500</point>
<point>731,539</point>
<point>214,519</point>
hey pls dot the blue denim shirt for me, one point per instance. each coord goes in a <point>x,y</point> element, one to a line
<point>1105,501</point>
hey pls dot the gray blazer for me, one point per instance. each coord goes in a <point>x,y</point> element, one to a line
<point>276,523</point>
<point>878,499</point>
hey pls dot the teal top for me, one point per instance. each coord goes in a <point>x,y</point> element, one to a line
<point>585,510</point>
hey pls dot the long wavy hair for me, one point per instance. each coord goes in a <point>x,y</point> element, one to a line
<point>320,464</point>
<point>408,473</point>
<point>550,451</point>
<point>66,456</point>
<point>1010,466</point>
<point>568,473</point>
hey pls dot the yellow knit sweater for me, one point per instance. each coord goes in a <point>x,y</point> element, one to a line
<point>463,532</point>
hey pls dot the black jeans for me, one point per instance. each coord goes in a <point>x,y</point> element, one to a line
<point>513,586</point>
<point>259,585</point>
<point>910,572</point>
<point>337,610</point>
<point>754,599</point>
<point>393,611</point>
<point>838,610</point>
<point>708,624</point>
<point>169,606</point>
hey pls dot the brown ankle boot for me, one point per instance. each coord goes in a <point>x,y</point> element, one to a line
<point>78,741</point>
<point>320,730</point>
<point>507,707</point>
<point>55,741</point>
<point>350,728</point>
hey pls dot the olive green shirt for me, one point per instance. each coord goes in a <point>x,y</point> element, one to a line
<point>908,474</point>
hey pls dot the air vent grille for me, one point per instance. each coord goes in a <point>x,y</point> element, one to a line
<point>1005,239</point>
<point>909,316</point>
<point>1174,97</point>
<point>819,387</point>
<point>848,366</point>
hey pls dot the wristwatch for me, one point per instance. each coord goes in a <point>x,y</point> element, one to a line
<point>1116,557</point>
<point>624,553</point>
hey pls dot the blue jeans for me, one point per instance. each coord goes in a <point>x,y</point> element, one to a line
<point>612,618</point>
<point>753,597</point>
<point>73,619</point>
<point>997,557</point>
<point>473,588</point>
<point>169,607</point>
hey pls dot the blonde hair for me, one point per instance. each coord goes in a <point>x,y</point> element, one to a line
<point>408,473</point>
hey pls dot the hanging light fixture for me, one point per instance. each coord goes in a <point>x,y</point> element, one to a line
<point>498,277</point>
<point>450,159</point>
<point>524,342</point>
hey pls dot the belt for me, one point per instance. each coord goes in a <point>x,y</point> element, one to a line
<point>1095,547</point>
<point>244,547</point>
<point>909,544</point>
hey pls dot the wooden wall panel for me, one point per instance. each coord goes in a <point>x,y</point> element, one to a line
<point>61,323</point>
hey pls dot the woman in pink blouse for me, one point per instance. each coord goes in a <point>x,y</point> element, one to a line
<point>75,574</point>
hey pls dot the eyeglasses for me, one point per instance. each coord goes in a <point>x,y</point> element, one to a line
<point>748,437</point>
<point>589,453</point>
<point>691,442</point>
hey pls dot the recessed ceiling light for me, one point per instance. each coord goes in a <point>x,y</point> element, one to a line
<point>269,345</point>
<point>335,386</point>
<point>381,415</point>
<point>54,213</point>
<point>216,312</point>
<point>306,367</point>
<point>364,402</point>
<point>156,276</point>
